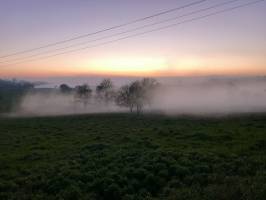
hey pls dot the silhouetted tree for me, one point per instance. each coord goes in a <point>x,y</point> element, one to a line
<point>123,97</point>
<point>105,91</point>
<point>11,92</point>
<point>137,94</point>
<point>64,88</point>
<point>83,93</point>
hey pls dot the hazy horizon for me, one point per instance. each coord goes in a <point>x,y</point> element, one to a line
<point>51,82</point>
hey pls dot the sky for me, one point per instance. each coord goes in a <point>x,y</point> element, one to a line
<point>231,43</point>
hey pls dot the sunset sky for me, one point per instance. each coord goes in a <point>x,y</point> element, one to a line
<point>231,43</point>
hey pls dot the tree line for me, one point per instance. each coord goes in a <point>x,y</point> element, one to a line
<point>133,96</point>
<point>11,92</point>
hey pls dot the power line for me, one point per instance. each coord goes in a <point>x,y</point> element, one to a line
<point>105,30</point>
<point>153,30</point>
<point>127,31</point>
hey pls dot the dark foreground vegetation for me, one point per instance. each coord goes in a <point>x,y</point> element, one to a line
<point>123,156</point>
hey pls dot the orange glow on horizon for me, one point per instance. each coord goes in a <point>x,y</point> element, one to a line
<point>141,66</point>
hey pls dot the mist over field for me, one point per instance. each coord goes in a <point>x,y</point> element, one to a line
<point>213,97</point>
<point>55,103</point>
<point>193,96</point>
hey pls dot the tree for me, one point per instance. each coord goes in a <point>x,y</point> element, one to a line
<point>83,93</point>
<point>137,94</point>
<point>11,92</point>
<point>123,97</point>
<point>105,91</point>
<point>149,86</point>
<point>64,88</point>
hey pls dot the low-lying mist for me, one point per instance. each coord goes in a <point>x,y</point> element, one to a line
<point>55,103</point>
<point>205,96</point>
<point>212,98</point>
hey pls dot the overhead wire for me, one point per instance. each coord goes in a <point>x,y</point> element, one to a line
<point>105,29</point>
<point>149,31</point>
<point>125,32</point>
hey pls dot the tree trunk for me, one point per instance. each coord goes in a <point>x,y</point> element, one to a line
<point>138,109</point>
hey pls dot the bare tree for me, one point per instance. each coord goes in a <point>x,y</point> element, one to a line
<point>137,94</point>
<point>105,91</point>
<point>83,93</point>
<point>123,98</point>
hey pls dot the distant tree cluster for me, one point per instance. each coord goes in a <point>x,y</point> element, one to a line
<point>133,96</point>
<point>11,92</point>
<point>83,93</point>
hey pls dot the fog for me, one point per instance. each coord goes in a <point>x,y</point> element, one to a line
<point>193,96</point>
<point>55,103</point>
<point>207,97</point>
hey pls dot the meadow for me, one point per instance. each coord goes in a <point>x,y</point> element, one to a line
<point>128,156</point>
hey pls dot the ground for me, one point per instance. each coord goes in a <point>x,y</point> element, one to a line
<point>123,156</point>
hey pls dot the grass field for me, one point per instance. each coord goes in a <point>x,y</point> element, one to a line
<point>122,156</point>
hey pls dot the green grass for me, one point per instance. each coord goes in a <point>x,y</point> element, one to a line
<point>122,156</point>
